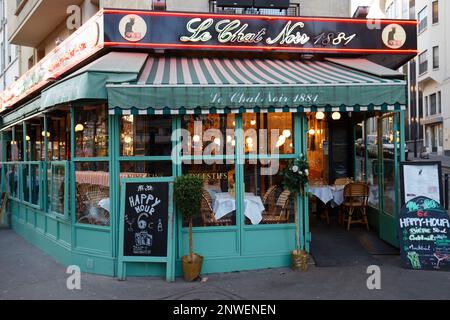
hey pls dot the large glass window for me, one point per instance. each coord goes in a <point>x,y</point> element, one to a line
<point>35,139</point>
<point>92,199</point>
<point>373,162</point>
<point>265,199</point>
<point>360,151</point>
<point>145,169</point>
<point>17,144</point>
<point>56,188</point>
<point>268,133</point>
<point>58,135</point>
<point>218,206</point>
<point>91,131</point>
<point>12,179</point>
<point>146,136</point>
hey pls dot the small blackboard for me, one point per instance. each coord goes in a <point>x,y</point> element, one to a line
<point>146,223</point>
<point>424,231</point>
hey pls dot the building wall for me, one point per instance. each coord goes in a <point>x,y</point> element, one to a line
<point>435,80</point>
<point>9,54</point>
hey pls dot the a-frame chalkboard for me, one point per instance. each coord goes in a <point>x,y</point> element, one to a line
<point>146,224</point>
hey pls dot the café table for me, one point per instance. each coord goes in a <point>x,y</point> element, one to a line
<point>328,194</point>
<point>225,203</point>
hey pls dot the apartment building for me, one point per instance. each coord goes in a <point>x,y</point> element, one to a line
<point>433,73</point>
<point>39,25</point>
<point>9,53</point>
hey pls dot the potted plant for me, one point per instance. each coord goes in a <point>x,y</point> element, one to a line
<point>295,177</point>
<point>188,195</point>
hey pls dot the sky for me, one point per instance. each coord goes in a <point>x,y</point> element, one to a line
<point>356,3</point>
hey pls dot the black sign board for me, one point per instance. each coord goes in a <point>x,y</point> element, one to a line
<point>424,231</point>
<point>146,223</point>
<point>207,31</point>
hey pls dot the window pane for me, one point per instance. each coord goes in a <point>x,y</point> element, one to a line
<point>17,144</point>
<point>145,169</point>
<point>374,163</point>
<point>91,131</point>
<point>218,207</point>
<point>55,188</point>
<point>92,193</point>
<point>146,136</point>
<point>12,180</point>
<point>360,148</point>
<point>35,139</point>
<point>34,184</point>
<point>58,135</point>
<point>435,57</point>
<point>268,133</point>
<point>435,11</point>
<point>433,104</point>
<point>209,134</point>
<point>265,200</point>
<point>423,19</point>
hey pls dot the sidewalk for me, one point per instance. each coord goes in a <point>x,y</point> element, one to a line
<point>28,273</point>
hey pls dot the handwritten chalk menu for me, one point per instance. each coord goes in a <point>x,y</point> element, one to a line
<point>146,219</point>
<point>424,231</point>
<point>421,179</point>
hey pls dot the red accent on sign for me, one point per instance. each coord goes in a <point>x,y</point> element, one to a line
<point>258,17</point>
<point>187,46</point>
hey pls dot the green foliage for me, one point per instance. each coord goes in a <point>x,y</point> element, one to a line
<point>295,175</point>
<point>188,195</point>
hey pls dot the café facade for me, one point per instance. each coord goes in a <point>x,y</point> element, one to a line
<point>136,95</point>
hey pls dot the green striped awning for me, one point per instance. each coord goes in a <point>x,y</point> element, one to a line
<point>173,85</point>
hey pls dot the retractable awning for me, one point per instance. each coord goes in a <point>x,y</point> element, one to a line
<point>176,85</point>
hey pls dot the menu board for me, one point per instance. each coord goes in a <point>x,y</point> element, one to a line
<point>145,219</point>
<point>424,231</point>
<point>421,179</point>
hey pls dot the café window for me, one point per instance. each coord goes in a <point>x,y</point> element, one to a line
<point>423,62</point>
<point>58,188</point>
<point>35,139</point>
<point>92,200</point>
<point>435,12</point>
<point>265,200</point>
<point>58,135</point>
<point>423,19</point>
<point>17,144</point>
<point>218,204</point>
<point>208,135</point>
<point>145,169</point>
<point>268,133</point>
<point>145,136</point>
<point>91,131</point>
<point>436,57</point>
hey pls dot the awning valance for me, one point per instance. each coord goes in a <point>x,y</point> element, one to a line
<point>175,85</point>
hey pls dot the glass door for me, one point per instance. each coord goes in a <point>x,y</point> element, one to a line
<point>390,156</point>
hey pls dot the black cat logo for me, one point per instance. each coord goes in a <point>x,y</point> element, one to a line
<point>394,36</point>
<point>391,36</point>
<point>129,28</point>
<point>133,28</point>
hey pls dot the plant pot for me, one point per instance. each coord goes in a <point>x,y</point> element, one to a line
<point>299,260</point>
<point>192,269</point>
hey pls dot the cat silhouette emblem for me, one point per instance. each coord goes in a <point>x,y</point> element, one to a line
<point>391,36</point>
<point>129,28</point>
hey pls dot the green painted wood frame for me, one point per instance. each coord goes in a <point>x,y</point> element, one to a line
<point>170,259</point>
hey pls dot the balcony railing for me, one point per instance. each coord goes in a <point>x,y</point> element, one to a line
<point>293,10</point>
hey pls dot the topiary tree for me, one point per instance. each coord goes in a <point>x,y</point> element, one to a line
<point>188,191</point>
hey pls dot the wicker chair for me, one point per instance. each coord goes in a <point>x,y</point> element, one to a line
<point>356,199</point>
<point>280,214</point>
<point>208,216</point>
<point>343,181</point>
<point>88,198</point>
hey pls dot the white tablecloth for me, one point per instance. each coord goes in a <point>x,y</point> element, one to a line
<point>224,204</point>
<point>326,194</point>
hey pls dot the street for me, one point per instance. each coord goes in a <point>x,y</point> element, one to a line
<point>28,273</point>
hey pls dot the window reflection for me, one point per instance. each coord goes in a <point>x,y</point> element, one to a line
<point>58,135</point>
<point>146,135</point>
<point>265,199</point>
<point>92,183</point>
<point>91,131</point>
<point>218,206</point>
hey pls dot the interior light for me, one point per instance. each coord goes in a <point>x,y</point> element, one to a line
<point>79,127</point>
<point>249,140</point>
<point>287,133</point>
<point>253,122</point>
<point>217,141</point>
<point>44,133</point>
<point>281,141</point>
<point>196,138</point>
<point>320,115</point>
<point>229,139</point>
<point>128,139</point>
<point>28,138</point>
<point>336,116</point>
<point>312,132</point>
<point>233,143</point>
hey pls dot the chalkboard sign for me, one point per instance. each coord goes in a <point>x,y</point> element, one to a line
<point>424,230</point>
<point>146,232</point>
<point>146,217</point>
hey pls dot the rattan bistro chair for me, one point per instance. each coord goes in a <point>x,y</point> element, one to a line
<point>356,199</point>
<point>280,214</point>
<point>343,181</point>
<point>208,217</point>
